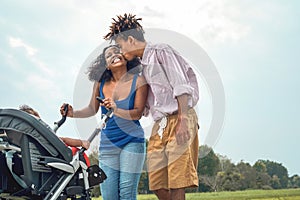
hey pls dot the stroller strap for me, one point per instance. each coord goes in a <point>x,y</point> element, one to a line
<point>9,156</point>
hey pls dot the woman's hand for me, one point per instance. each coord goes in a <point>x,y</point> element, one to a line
<point>109,104</point>
<point>85,144</point>
<point>70,110</point>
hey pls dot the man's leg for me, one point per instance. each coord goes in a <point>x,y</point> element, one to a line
<point>157,165</point>
<point>183,159</point>
<point>163,194</point>
<point>178,194</point>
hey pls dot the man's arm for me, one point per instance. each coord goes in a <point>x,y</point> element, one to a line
<point>182,134</point>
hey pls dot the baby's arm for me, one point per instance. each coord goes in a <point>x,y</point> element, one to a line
<point>75,142</point>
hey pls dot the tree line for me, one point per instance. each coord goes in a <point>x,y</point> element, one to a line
<point>217,173</point>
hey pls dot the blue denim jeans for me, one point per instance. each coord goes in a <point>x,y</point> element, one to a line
<point>123,169</point>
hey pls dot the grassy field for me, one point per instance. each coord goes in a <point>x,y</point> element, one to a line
<point>290,194</point>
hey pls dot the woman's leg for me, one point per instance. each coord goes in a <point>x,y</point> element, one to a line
<point>132,160</point>
<point>109,163</point>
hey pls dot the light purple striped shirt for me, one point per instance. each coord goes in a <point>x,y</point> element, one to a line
<point>169,75</point>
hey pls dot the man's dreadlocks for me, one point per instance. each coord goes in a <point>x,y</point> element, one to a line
<point>125,26</point>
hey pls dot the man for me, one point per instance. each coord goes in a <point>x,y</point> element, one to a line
<point>173,145</point>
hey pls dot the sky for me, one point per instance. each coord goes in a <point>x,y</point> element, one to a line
<point>254,45</point>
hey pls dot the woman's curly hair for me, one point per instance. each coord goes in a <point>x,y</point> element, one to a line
<point>125,26</point>
<point>97,71</point>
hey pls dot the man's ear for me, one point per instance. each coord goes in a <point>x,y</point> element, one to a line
<point>131,39</point>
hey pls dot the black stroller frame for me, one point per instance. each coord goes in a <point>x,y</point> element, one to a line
<point>36,164</point>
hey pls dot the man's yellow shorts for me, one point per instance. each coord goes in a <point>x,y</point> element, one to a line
<point>173,166</point>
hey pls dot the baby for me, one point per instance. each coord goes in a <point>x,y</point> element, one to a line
<point>68,141</point>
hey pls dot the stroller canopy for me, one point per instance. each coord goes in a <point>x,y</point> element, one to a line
<point>15,123</point>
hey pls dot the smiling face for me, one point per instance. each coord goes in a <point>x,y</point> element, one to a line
<point>114,58</point>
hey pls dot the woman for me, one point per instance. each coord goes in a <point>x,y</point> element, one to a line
<point>122,144</point>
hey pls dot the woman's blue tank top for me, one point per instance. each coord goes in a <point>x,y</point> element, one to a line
<point>120,131</point>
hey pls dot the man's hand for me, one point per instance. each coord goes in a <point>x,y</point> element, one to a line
<point>182,133</point>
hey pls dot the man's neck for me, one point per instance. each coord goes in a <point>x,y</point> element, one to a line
<point>140,49</point>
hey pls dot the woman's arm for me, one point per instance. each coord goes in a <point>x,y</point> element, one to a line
<point>92,107</point>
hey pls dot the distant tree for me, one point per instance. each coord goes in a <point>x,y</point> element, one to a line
<point>208,167</point>
<point>93,157</point>
<point>274,168</point>
<point>263,180</point>
<point>208,183</point>
<point>225,163</point>
<point>143,187</point>
<point>229,181</point>
<point>228,178</point>
<point>260,166</point>
<point>294,181</point>
<point>275,182</point>
<point>248,175</point>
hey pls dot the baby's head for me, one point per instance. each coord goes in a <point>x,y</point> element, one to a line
<point>29,110</point>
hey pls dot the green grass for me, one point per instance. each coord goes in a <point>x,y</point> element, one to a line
<point>288,194</point>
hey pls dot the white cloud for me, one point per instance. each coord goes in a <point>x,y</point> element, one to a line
<point>209,22</point>
<point>31,55</point>
<point>205,21</point>
<point>17,42</point>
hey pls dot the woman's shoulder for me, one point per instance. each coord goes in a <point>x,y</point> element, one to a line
<point>141,80</point>
<point>96,85</point>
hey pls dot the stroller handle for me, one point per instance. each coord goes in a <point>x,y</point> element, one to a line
<point>101,125</point>
<point>62,120</point>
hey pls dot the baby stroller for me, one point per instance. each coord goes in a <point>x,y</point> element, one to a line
<point>36,164</point>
